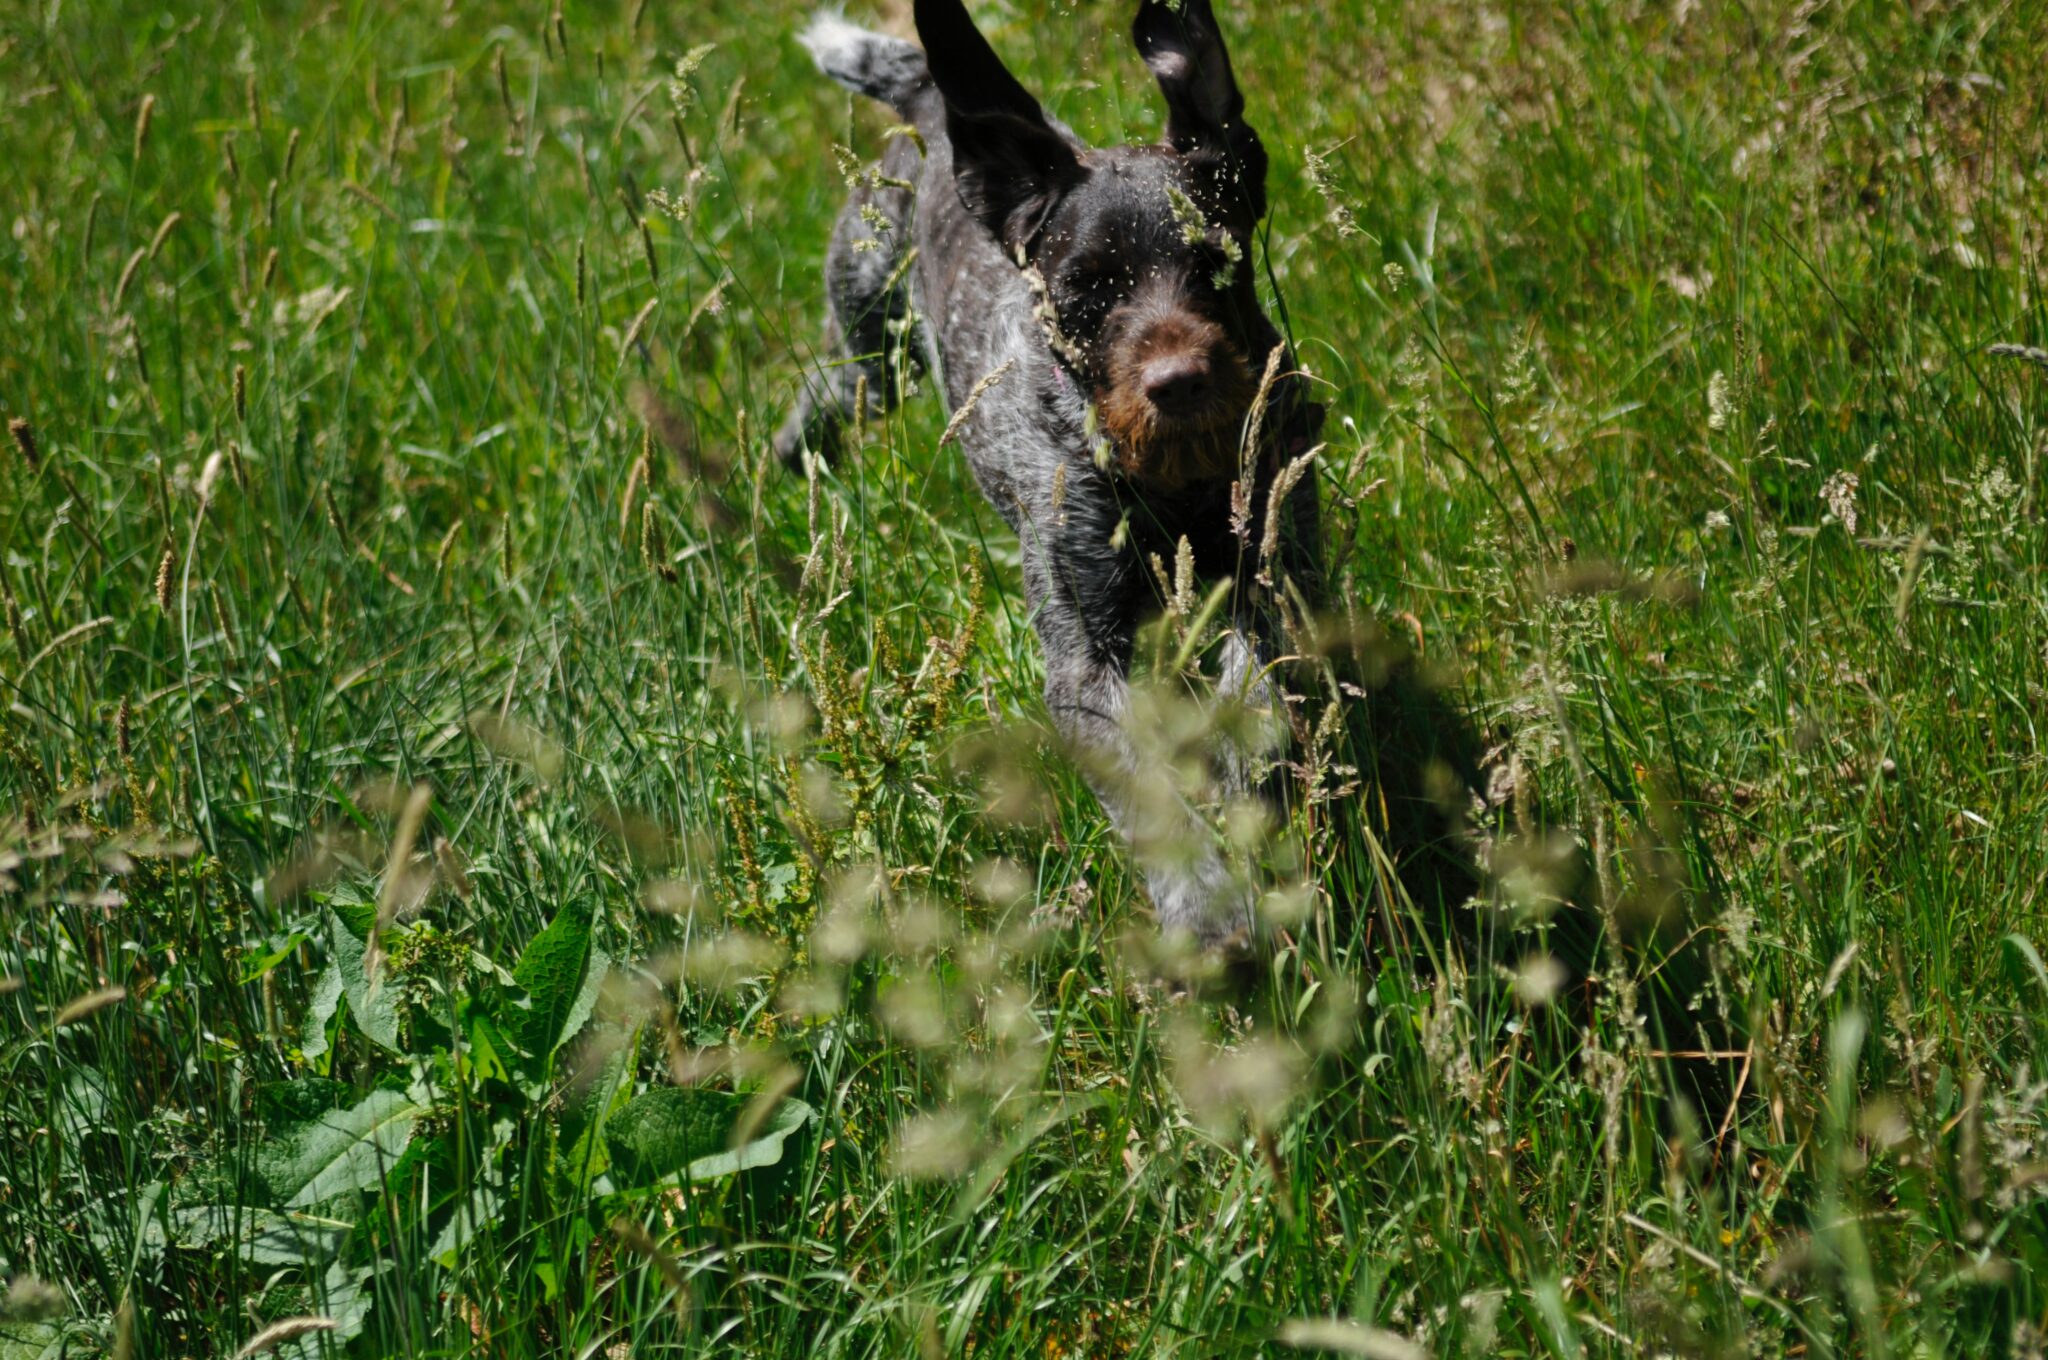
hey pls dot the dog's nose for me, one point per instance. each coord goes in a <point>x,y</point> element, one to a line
<point>1176,382</point>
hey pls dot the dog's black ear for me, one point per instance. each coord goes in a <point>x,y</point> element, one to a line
<point>1010,163</point>
<point>1182,45</point>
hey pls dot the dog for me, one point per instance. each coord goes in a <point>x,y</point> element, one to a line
<point>1119,393</point>
<point>1122,400</point>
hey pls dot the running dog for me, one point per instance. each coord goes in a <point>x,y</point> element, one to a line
<point>1119,394</point>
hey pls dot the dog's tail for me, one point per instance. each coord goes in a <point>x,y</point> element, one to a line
<point>873,64</point>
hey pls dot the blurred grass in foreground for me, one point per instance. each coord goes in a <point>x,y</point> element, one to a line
<point>385,430</point>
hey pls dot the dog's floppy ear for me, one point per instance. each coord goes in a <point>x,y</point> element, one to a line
<point>1182,45</point>
<point>1010,163</point>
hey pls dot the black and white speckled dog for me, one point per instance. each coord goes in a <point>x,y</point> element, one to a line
<point>1092,317</point>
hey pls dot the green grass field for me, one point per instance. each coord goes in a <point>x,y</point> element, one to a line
<point>450,779</point>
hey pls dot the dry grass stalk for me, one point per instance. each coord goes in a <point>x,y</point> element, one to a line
<point>128,275</point>
<point>398,877</point>
<point>282,1331</point>
<point>966,411</point>
<point>144,116</point>
<point>1276,504</point>
<point>640,1242</point>
<point>78,1008</point>
<point>639,322</point>
<point>163,232</point>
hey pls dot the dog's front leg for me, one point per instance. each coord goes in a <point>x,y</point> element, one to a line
<point>1193,888</point>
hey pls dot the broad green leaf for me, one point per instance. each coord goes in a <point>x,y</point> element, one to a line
<point>261,1236</point>
<point>685,1131</point>
<point>128,1226</point>
<point>765,1149</point>
<point>2023,948</point>
<point>375,1008</point>
<point>479,1207</point>
<point>358,917</point>
<point>81,1104</point>
<point>588,1106</point>
<point>341,1151</point>
<point>490,1053</point>
<point>342,1297</point>
<point>256,965</point>
<point>39,1341</point>
<point>283,1104</point>
<point>664,1130</point>
<point>326,1000</point>
<point>551,972</point>
<point>586,998</point>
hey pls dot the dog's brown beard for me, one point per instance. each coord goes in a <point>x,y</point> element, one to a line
<point>1173,451</point>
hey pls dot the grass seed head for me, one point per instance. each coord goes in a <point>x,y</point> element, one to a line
<point>1838,493</point>
<point>163,232</point>
<point>725,963</point>
<point>1720,401</point>
<point>939,1145</point>
<point>1339,215</point>
<point>209,477</point>
<point>128,275</point>
<point>914,1011</point>
<point>450,869</point>
<point>165,567</point>
<point>144,116</point>
<point>25,440</point>
<point>653,546</point>
<point>637,1240</point>
<point>1538,979</point>
<point>1340,1336</point>
<point>636,479</point>
<point>1251,1083</point>
<point>2030,354</point>
<point>680,95</point>
<point>647,248</point>
<point>283,1332</point>
<point>92,1003</point>
<point>32,1300</point>
<point>639,322</point>
<point>124,1329</point>
<point>519,741</point>
<point>402,888</point>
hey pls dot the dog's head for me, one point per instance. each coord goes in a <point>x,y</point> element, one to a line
<point>1145,251</point>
